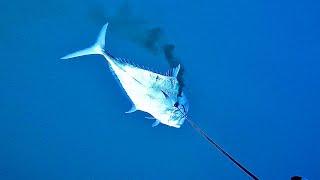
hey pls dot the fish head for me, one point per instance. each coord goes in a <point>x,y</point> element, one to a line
<point>178,111</point>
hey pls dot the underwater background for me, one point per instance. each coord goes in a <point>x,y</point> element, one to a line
<point>251,74</point>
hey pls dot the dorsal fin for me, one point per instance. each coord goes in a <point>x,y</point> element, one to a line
<point>129,62</point>
<point>175,71</point>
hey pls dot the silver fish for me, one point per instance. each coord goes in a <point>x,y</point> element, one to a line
<point>156,94</point>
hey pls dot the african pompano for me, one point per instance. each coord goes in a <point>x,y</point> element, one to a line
<point>157,94</point>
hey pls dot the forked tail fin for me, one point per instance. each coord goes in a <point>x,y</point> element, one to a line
<point>96,48</point>
<point>214,144</point>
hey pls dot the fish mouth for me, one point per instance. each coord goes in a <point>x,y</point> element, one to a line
<point>181,121</point>
<point>178,124</point>
<point>178,118</point>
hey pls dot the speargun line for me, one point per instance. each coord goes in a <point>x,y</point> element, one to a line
<point>214,144</point>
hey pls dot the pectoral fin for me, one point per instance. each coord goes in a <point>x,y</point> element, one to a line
<point>155,123</point>
<point>133,109</point>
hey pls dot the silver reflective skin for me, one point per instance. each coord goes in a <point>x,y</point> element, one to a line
<point>150,92</point>
<point>179,112</point>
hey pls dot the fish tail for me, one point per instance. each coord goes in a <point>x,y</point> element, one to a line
<point>96,48</point>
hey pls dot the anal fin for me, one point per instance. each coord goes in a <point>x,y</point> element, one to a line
<point>150,117</point>
<point>133,109</point>
<point>155,123</point>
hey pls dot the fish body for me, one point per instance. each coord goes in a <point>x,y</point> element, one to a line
<point>154,93</point>
<point>159,95</point>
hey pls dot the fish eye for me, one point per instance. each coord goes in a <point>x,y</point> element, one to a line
<point>176,104</point>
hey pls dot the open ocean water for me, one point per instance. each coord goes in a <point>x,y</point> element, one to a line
<point>251,74</point>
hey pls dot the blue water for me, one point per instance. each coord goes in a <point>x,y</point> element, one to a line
<point>251,74</point>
